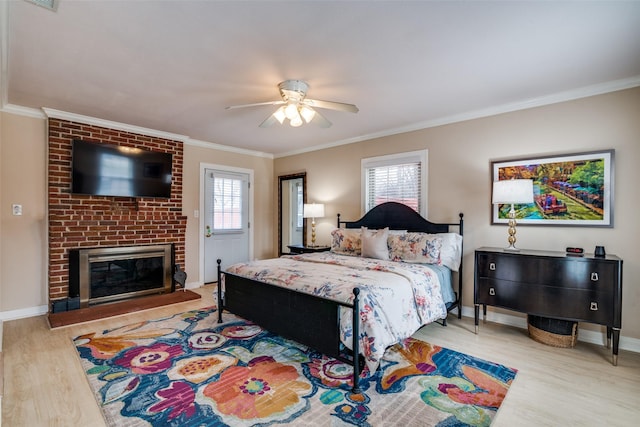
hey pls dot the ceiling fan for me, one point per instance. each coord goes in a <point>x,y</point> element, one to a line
<point>296,107</point>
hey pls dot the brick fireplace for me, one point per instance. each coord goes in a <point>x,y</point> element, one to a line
<point>82,221</point>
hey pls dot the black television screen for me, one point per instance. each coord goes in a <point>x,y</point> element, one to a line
<point>112,170</point>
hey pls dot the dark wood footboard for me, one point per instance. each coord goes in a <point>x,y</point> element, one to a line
<point>308,319</point>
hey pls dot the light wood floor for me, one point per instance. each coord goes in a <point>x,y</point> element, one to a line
<point>44,384</point>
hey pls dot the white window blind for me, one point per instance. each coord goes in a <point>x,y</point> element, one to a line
<point>226,211</point>
<point>397,178</point>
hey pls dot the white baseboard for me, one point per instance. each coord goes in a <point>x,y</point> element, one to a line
<point>193,285</point>
<point>23,312</point>
<point>585,335</point>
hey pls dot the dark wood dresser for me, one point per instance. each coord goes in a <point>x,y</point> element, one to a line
<point>551,284</point>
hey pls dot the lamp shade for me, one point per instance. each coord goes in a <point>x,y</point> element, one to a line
<point>513,191</point>
<point>313,210</point>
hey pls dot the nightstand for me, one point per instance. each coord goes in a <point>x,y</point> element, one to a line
<point>299,249</point>
<point>552,284</point>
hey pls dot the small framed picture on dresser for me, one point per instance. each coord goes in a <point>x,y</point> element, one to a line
<point>572,189</point>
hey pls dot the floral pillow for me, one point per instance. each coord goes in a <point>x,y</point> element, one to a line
<point>415,247</point>
<point>346,241</point>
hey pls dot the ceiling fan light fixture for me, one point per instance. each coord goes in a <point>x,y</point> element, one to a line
<point>291,111</point>
<point>280,115</point>
<point>296,121</point>
<point>307,113</point>
<point>297,108</point>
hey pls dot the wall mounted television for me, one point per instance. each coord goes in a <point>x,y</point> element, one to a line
<point>113,170</point>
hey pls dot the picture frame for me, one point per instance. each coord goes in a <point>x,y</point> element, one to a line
<point>569,190</point>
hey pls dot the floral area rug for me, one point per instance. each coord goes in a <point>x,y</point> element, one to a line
<point>188,370</point>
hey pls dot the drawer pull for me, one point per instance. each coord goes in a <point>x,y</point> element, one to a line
<point>492,291</point>
<point>593,306</point>
<point>594,276</point>
<point>492,266</point>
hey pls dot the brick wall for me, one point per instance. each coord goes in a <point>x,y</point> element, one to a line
<point>82,221</point>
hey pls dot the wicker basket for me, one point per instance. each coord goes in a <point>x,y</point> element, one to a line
<point>553,332</point>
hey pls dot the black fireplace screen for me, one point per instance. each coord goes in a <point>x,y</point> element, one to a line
<point>99,275</point>
<point>124,276</point>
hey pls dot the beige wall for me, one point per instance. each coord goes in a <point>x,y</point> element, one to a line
<point>23,267</point>
<point>459,178</point>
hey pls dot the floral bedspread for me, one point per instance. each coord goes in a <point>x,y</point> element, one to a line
<point>396,299</point>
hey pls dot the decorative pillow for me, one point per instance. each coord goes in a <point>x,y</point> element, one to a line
<point>451,250</point>
<point>374,243</point>
<point>346,241</point>
<point>415,247</point>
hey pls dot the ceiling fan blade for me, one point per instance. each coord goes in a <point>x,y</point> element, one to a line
<point>269,121</point>
<point>257,104</point>
<point>320,120</point>
<point>331,105</point>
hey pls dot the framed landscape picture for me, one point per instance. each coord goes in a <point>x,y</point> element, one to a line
<point>572,189</point>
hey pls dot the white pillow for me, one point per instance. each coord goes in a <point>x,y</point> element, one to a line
<point>374,243</point>
<point>451,250</point>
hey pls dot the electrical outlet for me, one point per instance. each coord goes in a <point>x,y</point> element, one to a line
<point>17,209</point>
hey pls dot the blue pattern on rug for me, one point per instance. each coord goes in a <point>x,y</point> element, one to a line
<point>188,370</point>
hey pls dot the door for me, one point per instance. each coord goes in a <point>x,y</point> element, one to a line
<point>226,222</point>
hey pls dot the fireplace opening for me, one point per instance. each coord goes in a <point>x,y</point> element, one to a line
<point>99,275</point>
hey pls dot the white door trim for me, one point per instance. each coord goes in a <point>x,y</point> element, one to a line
<point>203,167</point>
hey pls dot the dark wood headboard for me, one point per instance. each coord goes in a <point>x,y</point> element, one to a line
<point>397,216</point>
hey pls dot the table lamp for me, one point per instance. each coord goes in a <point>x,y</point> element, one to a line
<point>512,191</point>
<point>313,211</point>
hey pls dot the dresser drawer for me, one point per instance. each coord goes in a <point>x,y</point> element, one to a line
<point>581,274</point>
<point>576,304</point>
<point>507,267</point>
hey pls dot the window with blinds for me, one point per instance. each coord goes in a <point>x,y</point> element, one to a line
<point>397,178</point>
<point>227,203</point>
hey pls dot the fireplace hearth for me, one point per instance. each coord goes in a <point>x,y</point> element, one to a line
<point>100,275</point>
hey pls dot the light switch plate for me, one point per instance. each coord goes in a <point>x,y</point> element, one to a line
<point>17,209</point>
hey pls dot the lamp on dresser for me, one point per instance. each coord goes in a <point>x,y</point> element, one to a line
<point>512,191</point>
<point>313,211</point>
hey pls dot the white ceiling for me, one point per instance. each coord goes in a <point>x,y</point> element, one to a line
<point>173,66</point>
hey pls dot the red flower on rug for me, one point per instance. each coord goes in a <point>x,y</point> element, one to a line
<point>261,390</point>
<point>149,360</point>
<point>179,397</point>
<point>331,372</point>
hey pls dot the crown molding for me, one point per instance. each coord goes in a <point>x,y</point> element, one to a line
<point>227,148</point>
<point>570,95</point>
<point>18,110</point>
<point>72,117</point>
<point>45,113</point>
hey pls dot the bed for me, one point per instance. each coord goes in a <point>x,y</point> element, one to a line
<point>352,303</point>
